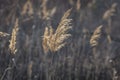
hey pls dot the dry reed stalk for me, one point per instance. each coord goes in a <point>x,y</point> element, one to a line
<point>12,45</point>
<point>107,16</point>
<point>27,8</point>
<point>110,12</point>
<point>55,40</point>
<point>94,41</point>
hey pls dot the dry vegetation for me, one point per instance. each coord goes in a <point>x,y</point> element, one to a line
<point>59,40</point>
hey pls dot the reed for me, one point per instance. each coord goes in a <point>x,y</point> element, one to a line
<point>55,40</point>
<point>3,34</point>
<point>12,45</point>
<point>108,17</point>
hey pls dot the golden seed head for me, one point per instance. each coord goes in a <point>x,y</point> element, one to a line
<point>94,41</point>
<point>55,40</point>
<point>12,45</point>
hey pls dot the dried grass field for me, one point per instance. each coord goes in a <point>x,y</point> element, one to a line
<point>59,40</point>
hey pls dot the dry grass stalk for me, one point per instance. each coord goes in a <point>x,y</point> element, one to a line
<point>27,8</point>
<point>55,40</point>
<point>94,41</point>
<point>12,45</point>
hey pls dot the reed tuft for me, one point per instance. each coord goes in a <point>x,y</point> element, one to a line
<point>55,40</point>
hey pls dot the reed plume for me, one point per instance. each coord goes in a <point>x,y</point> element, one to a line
<point>55,40</point>
<point>94,41</point>
<point>12,45</point>
<point>3,34</point>
<point>110,12</point>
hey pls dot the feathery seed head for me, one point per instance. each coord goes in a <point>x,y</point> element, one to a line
<point>94,41</point>
<point>12,45</point>
<point>55,40</point>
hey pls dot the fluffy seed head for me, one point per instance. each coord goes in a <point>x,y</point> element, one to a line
<point>94,41</point>
<point>12,45</point>
<point>55,40</point>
